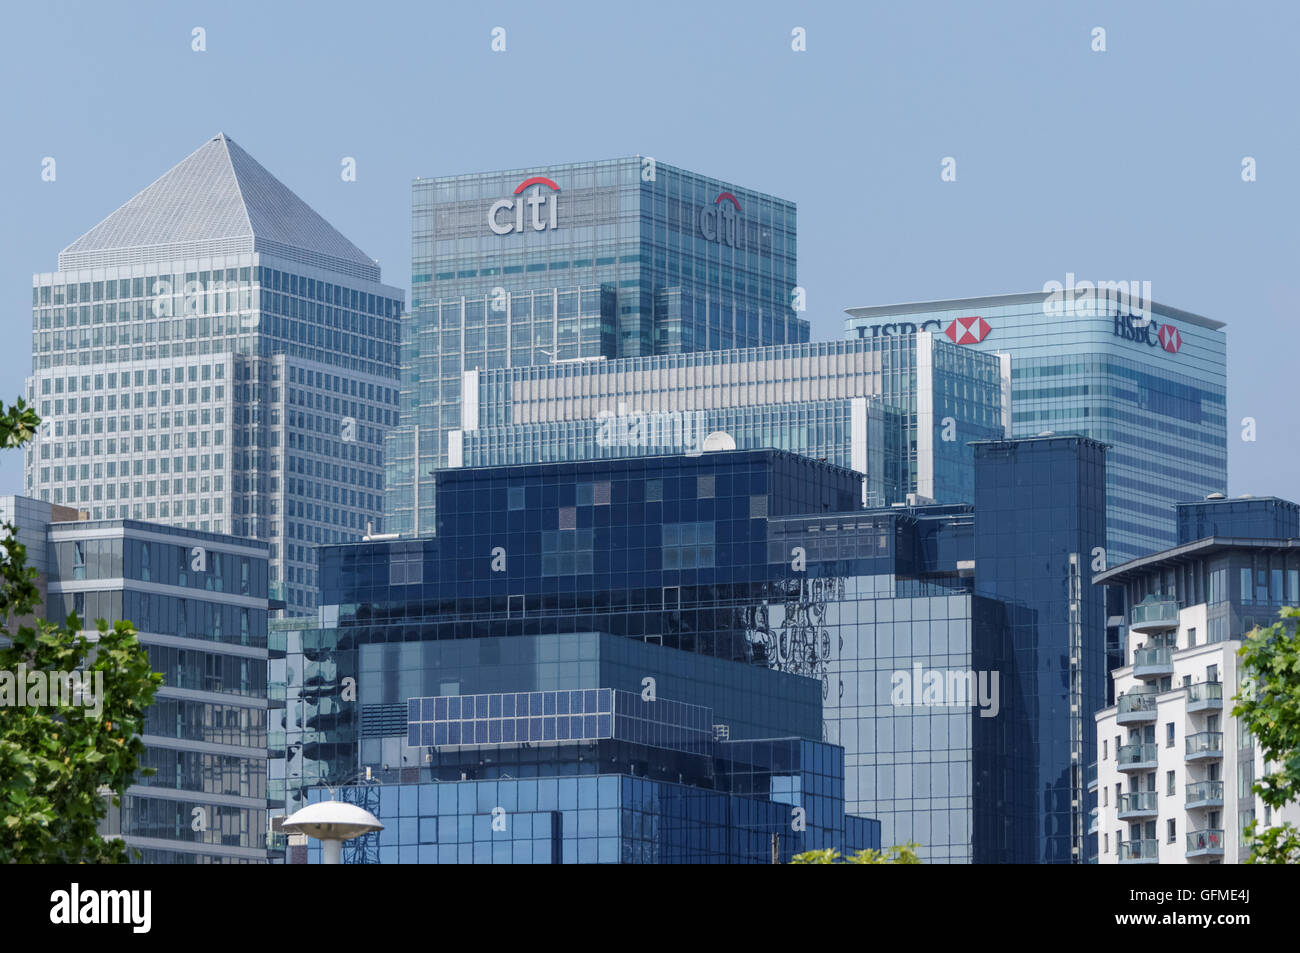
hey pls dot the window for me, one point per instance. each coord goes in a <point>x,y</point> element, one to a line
<point>1169,734</point>
<point>1169,782</point>
<point>1245,587</point>
<point>1191,637</point>
<point>1105,843</point>
<point>1173,829</point>
<point>515,495</point>
<point>1104,756</point>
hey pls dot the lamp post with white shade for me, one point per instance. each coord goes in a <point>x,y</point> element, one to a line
<point>332,822</point>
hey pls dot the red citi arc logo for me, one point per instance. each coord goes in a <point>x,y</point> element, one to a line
<point>970,330</point>
<point>536,201</point>
<point>718,221</point>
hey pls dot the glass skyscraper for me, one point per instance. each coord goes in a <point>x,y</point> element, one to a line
<point>900,410</point>
<point>1148,380</point>
<point>215,355</point>
<point>752,583</point>
<point>618,258</point>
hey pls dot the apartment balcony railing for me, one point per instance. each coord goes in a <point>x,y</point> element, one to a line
<point>1139,851</point>
<point>1206,843</point>
<point>1205,696</point>
<point>1153,615</point>
<point>1090,776</point>
<point>1152,663</point>
<point>1204,746</point>
<point>1137,707</point>
<point>1203,794</point>
<point>1137,757</point>
<point>1138,804</point>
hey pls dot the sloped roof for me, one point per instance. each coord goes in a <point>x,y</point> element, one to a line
<point>218,200</point>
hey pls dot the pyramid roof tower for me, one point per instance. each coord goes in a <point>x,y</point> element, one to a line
<point>217,201</point>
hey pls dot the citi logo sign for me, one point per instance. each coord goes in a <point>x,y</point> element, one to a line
<point>542,206</point>
<point>718,221</point>
<point>1148,331</point>
<point>970,330</point>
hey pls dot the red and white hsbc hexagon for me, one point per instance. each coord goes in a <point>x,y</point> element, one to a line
<point>970,330</point>
<point>1169,338</point>
<point>536,200</point>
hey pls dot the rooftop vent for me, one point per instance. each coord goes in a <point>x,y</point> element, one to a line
<point>1216,496</point>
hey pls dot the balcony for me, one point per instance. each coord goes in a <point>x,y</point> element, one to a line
<point>1205,696</point>
<point>1204,746</point>
<point>1153,615</point>
<point>1138,707</point>
<point>1203,794</point>
<point>1154,662</point>
<point>1138,804</point>
<point>1090,775</point>
<point>1137,757</point>
<point>1139,851</point>
<point>1206,843</point>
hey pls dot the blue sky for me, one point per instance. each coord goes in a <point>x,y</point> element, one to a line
<point>1109,165</point>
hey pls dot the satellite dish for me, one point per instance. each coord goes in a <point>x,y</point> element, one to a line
<point>719,440</point>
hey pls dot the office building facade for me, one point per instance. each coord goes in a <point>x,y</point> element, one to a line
<point>1176,769</point>
<point>600,776</point>
<point>1146,379</point>
<point>215,355</point>
<point>900,410</point>
<point>751,583</point>
<point>199,602</point>
<point>618,258</point>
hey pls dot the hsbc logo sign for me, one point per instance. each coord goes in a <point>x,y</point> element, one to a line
<point>967,330</point>
<point>1148,331</point>
<point>542,210</point>
<point>718,221</point>
<point>970,330</point>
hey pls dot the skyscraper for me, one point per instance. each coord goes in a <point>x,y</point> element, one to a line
<point>585,261</point>
<point>1148,380</point>
<point>215,355</point>
<point>900,410</point>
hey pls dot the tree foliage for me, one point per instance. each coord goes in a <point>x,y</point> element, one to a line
<point>1269,704</point>
<point>57,760</point>
<point>900,854</point>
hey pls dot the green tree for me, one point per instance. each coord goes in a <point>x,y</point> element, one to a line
<point>900,854</point>
<point>55,760</point>
<point>1269,704</point>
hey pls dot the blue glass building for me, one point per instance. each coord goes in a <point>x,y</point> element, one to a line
<point>616,258</point>
<point>610,777</point>
<point>1146,379</point>
<point>900,410</point>
<point>750,583</point>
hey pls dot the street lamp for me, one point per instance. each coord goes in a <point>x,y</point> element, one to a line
<point>332,822</point>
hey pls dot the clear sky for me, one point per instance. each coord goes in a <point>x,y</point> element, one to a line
<point>1117,164</point>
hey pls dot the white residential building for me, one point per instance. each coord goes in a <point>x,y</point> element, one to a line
<point>1175,769</point>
